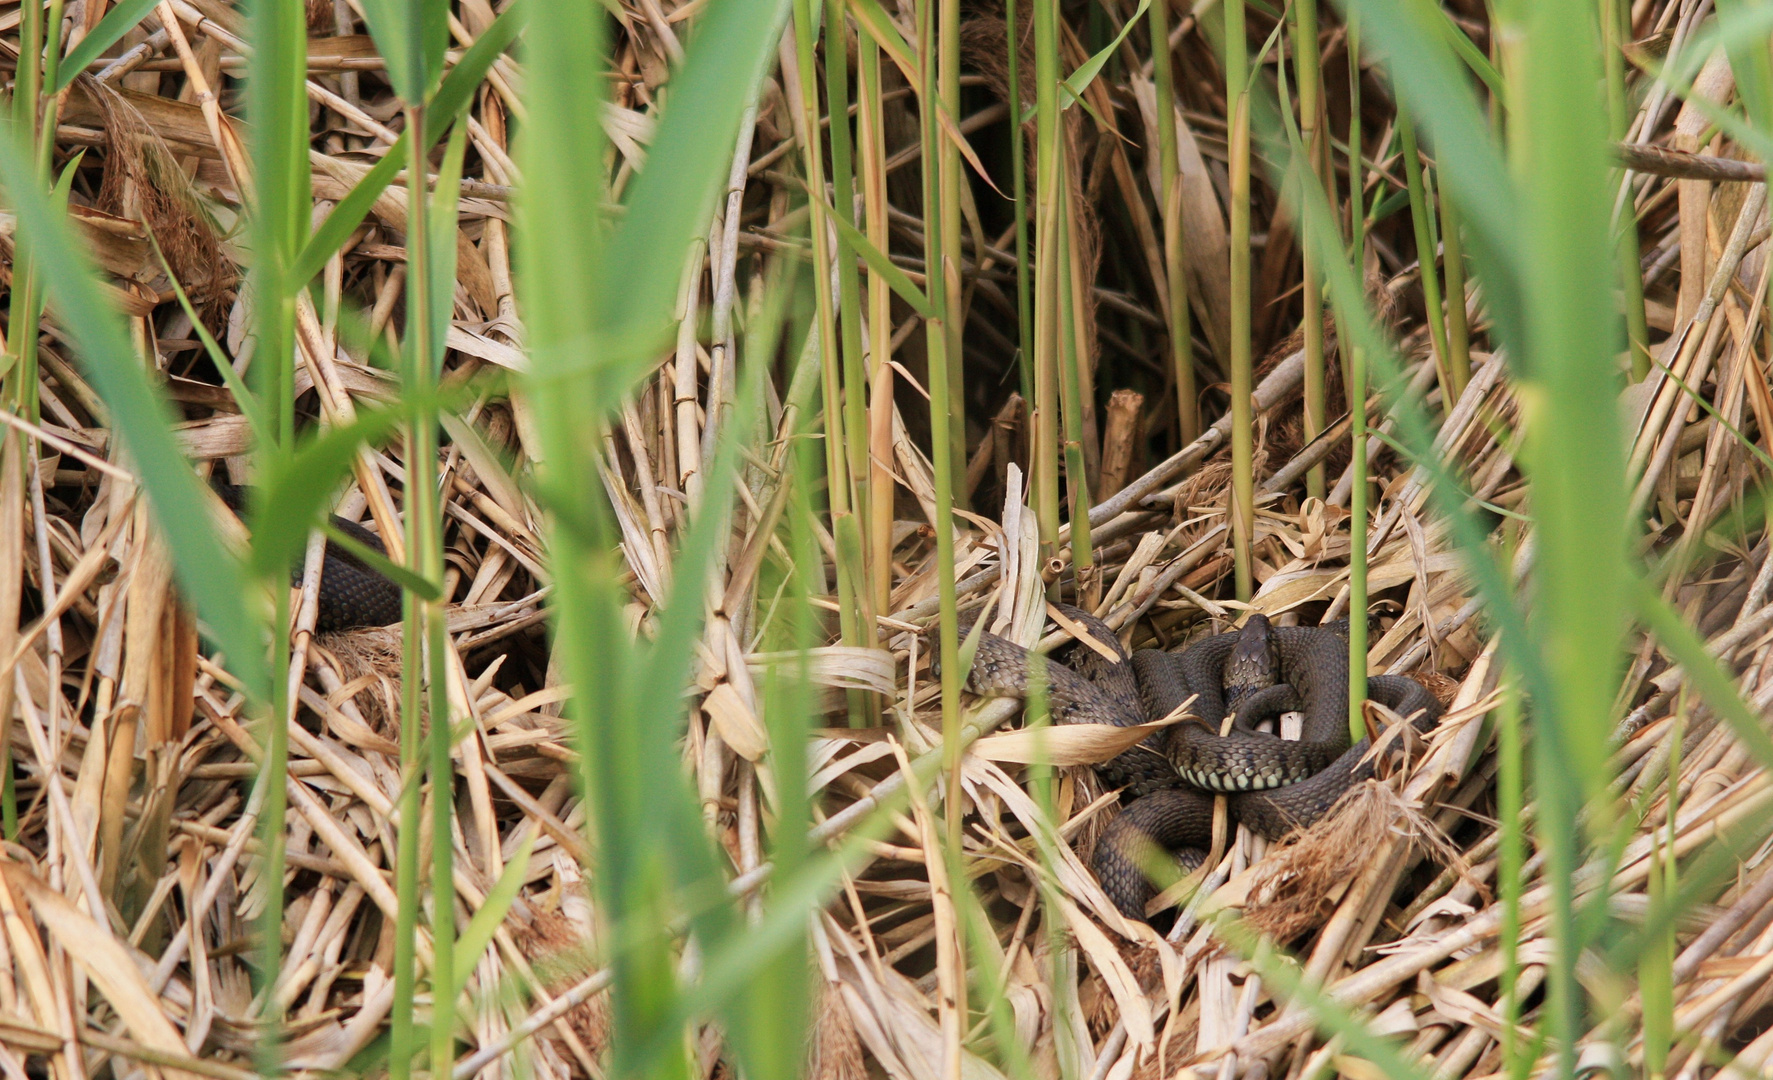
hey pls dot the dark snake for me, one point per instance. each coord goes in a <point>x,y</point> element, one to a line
<point>352,595</point>
<point>1273,785</point>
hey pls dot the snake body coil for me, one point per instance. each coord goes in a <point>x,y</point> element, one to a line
<point>1274,785</point>
<point>352,595</point>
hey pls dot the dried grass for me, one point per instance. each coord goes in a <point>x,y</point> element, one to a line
<point>134,759</point>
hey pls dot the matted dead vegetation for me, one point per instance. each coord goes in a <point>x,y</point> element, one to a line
<point>131,880</point>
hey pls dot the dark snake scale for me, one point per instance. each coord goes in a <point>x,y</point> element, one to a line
<point>352,595</point>
<point>1168,780</point>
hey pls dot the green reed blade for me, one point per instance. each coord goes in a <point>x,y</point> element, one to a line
<point>453,95</point>
<point>478,934</point>
<point>243,396</point>
<point>423,588</point>
<point>412,36</point>
<point>1410,35</point>
<point>673,200</point>
<point>889,272</point>
<point>118,21</point>
<point>1421,211</point>
<point>208,574</point>
<point>294,489</point>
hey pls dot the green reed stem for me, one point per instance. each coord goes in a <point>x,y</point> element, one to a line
<point>1656,962</point>
<point>1420,219</point>
<point>1511,857</point>
<point>1305,58</point>
<point>1019,176</point>
<point>1357,541</point>
<point>1615,32</point>
<point>424,554</point>
<point>943,285</point>
<point>1453,265</point>
<point>1044,455</point>
<point>872,139</point>
<point>1243,480</point>
<point>806,36</point>
<point>1181,329</point>
<point>1355,385</point>
<point>948,210</point>
<point>1357,184</point>
<point>25,306</point>
<point>849,287</point>
<point>1077,484</point>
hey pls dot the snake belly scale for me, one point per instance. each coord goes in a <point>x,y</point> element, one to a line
<point>1169,779</point>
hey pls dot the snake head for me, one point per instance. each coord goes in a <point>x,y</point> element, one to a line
<point>1253,663</point>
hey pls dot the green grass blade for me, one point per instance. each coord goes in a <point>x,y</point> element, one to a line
<point>1703,670</point>
<point>445,200</point>
<point>768,1021</point>
<point>424,588</point>
<point>451,98</point>
<point>889,272</point>
<point>885,32</point>
<point>412,36</point>
<point>118,21</point>
<point>243,396</point>
<point>674,198</point>
<point>485,922</point>
<point>1411,35</point>
<point>1072,88</point>
<point>207,573</point>
<point>348,214</point>
<point>295,489</point>
<point>560,271</point>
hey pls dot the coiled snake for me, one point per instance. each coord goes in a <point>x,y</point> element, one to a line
<point>1273,785</point>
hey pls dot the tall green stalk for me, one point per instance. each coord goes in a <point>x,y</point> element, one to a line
<point>1574,458</point>
<point>1453,265</point>
<point>941,194</point>
<point>1355,386</point>
<point>1181,328</point>
<point>1019,178</point>
<point>1615,32</point>
<point>1044,455</point>
<point>25,309</point>
<point>1243,480</point>
<point>1420,218</point>
<point>1511,857</point>
<point>1071,404</point>
<point>425,620</point>
<point>1357,543</point>
<point>849,296</point>
<point>948,212</point>
<point>872,139</point>
<point>837,457</point>
<point>1305,58</point>
<point>280,201</point>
